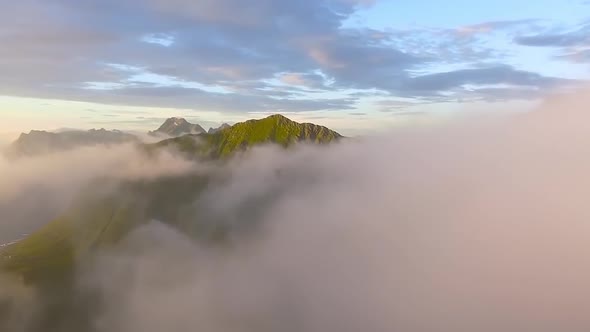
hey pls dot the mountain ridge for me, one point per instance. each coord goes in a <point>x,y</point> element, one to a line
<point>40,141</point>
<point>274,129</point>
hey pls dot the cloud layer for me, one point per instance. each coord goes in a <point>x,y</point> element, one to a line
<point>480,225</point>
<point>274,56</point>
<point>476,225</point>
<point>36,190</point>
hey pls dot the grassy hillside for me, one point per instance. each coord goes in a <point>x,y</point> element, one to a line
<point>99,218</point>
<point>47,261</point>
<point>53,249</point>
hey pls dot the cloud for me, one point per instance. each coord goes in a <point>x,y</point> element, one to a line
<point>576,56</point>
<point>576,37</point>
<point>492,26</point>
<point>6,139</point>
<point>36,190</point>
<point>354,63</point>
<point>502,79</point>
<point>477,225</point>
<point>305,80</point>
<point>188,98</point>
<point>572,44</point>
<point>214,49</point>
<point>489,75</point>
<point>193,49</point>
<point>463,44</point>
<point>554,40</point>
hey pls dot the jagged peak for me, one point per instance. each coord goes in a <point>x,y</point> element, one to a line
<point>177,126</point>
<point>176,120</point>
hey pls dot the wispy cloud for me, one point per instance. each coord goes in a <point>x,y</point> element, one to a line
<point>577,37</point>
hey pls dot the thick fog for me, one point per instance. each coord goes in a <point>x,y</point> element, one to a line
<point>35,190</point>
<point>477,225</point>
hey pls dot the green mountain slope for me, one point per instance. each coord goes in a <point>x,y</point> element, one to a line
<point>100,218</point>
<point>275,129</point>
<point>47,261</point>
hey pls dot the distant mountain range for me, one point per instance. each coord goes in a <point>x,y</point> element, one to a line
<point>40,142</point>
<point>184,136</point>
<point>175,127</point>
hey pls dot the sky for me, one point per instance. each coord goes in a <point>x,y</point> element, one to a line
<point>354,65</point>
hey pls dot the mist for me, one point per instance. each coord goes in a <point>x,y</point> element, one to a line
<point>476,225</point>
<point>6,139</point>
<point>34,190</point>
